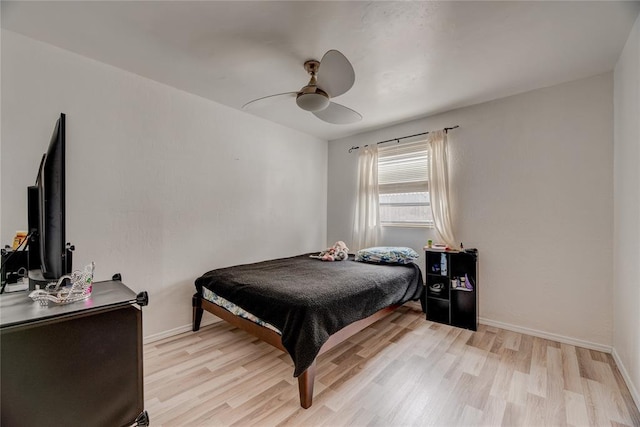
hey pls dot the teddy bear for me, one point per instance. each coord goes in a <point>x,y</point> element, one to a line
<point>337,252</point>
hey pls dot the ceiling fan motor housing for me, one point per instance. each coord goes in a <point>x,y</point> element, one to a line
<point>310,97</point>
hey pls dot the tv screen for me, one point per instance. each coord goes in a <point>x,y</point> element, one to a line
<point>47,247</point>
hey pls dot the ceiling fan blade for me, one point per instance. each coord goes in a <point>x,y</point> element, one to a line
<point>335,74</point>
<point>338,114</point>
<point>288,94</point>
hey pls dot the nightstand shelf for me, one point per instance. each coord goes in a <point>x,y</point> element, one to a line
<point>452,287</point>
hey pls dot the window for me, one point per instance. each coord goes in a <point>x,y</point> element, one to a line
<point>403,181</point>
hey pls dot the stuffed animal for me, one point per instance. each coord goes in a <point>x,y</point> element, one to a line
<point>338,252</point>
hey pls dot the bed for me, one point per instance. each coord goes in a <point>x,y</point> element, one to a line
<point>305,306</point>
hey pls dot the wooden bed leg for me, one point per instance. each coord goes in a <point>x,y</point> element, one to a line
<point>305,385</point>
<point>197,312</point>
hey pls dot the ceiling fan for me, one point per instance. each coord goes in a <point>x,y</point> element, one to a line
<point>330,78</point>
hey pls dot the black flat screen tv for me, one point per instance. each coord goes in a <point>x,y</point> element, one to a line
<point>49,258</point>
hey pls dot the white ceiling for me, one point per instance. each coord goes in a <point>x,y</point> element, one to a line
<point>411,59</point>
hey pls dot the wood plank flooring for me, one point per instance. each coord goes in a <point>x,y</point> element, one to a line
<point>403,370</point>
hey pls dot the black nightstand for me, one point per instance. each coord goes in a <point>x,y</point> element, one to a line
<point>452,287</point>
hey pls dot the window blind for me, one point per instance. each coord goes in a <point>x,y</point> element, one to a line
<point>403,168</point>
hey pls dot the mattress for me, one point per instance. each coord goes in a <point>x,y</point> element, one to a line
<point>212,297</point>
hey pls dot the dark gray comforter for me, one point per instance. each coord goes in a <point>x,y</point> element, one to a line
<point>308,300</point>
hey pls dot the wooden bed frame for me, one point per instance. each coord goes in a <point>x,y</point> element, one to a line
<point>307,378</point>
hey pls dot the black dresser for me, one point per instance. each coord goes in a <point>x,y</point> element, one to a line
<point>74,364</point>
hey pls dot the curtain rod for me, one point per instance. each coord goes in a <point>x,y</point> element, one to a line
<point>446,130</point>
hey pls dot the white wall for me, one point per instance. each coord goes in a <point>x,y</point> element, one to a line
<point>531,185</point>
<point>162,185</point>
<point>626,242</point>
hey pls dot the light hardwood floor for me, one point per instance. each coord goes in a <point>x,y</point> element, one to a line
<point>403,370</point>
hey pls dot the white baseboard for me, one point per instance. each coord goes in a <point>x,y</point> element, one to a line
<point>176,331</point>
<point>547,335</point>
<point>534,332</point>
<point>627,379</point>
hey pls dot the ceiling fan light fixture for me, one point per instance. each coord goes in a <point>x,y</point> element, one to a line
<point>312,101</point>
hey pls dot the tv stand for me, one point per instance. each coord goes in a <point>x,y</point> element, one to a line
<point>37,279</point>
<point>73,364</point>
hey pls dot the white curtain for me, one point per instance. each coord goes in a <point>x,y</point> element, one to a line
<point>439,186</point>
<point>366,227</point>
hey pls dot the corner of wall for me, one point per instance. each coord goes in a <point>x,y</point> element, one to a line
<point>626,206</point>
<point>627,378</point>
